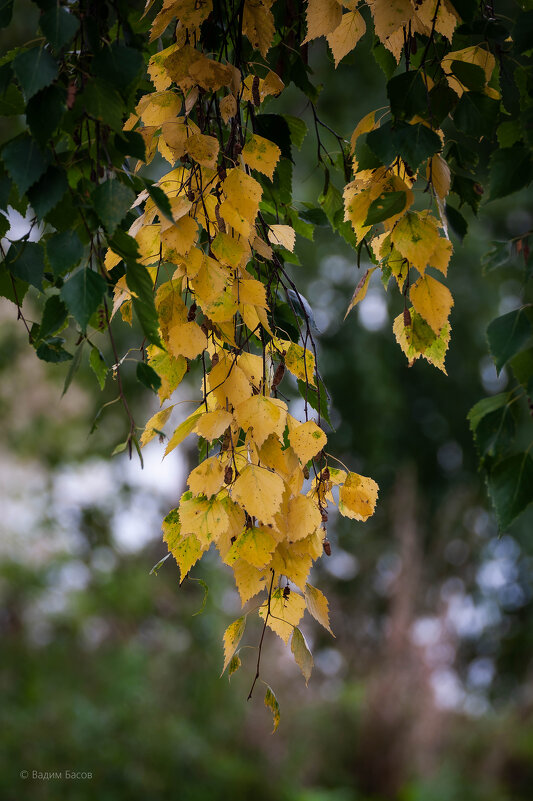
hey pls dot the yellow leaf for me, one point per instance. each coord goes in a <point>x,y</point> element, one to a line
<point>283,235</point>
<point>228,383</point>
<point>440,257</point>
<point>170,370</point>
<point>432,300</point>
<point>271,702</point>
<point>154,425</point>
<point>249,290</point>
<point>285,612</point>
<point>212,425</point>
<point>389,17</point>
<point>209,281</point>
<point>174,133</point>
<point>185,550</point>
<point>248,580</point>
<point>323,17</point>
<point>203,149</point>
<point>255,545</point>
<point>183,430</point>
<point>206,519</point>
<point>368,123</point>
<point>158,108</point>
<point>179,239</point>
<point>261,154</point>
<point>232,638</point>
<point>222,309</point>
<point>344,38</point>
<point>416,236</point>
<point>262,248</point>
<point>187,339</point>
<point>243,194</point>
<point>357,497</point>
<point>292,561</point>
<point>210,74</point>
<point>229,250</point>
<point>360,290</point>
<point>258,25</point>
<point>438,172</point>
<point>299,361</point>
<point>207,478</point>
<point>356,205</point>
<point>317,606</point>
<point>228,108</point>
<point>303,517</point>
<point>418,339</point>
<point>156,68</point>
<point>302,654</point>
<point>262,416</point>
<point>307,440</point>
<point>259,491</point>
<point>445,20</point>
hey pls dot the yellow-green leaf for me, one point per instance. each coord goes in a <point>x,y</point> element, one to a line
<point>302,654</point>
<point>232,638</point>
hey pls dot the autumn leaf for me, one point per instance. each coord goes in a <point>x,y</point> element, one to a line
<point>302,654</point>
<point>317,606</point>
<point>357,497</point>
<point>232,638</point>
<point>259,491</point>
<point>284,613</point>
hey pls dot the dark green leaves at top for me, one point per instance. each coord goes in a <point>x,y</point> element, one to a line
<point>45,111</point>
<point>511,170</point>
<point>413,143</point>
<point>83,293</point>
<point>111,202</point>
<point>35,69</point>
<point>64,251</point>
<point>160,199</point>
<point>24,161</point>
<point>118,65</point>
<point>25,260</point>
<point>476,114</point>
<point>408,95</point>
<point>6,12</point>
<point>297,129</point>
<point>48,191</point>
<point>59,26</point>
<point>148,376</point>
<point>385,206</point>
<point>103,103</point>
<point>510,486</point>
<point>510,334</point>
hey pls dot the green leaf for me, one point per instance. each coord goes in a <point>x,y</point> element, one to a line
<point>408,95</point>
<point>413,143</point>
<point>25,260</point>
<point>297,130</point>
<point>52,351</point>
<point>476,114</point>
<point>385,206</point>
<point>148,376</point>
<point>470,75</point>
<point>118,65</point>
<point>35,69</point>
<point>48,191</point>
<point>522,367</point>
<point>103,103</point>
<point>10,287</point>
<point>271,702</point>
<point>54,316</point>
<point>498,255</point>
<point>510,334</point>
<point>124,245</point>
<point>441,101</point>
<point>73,369</point>
<point>140,283</point>
<point>24,161</point>
<point>311,395</point>
<point>12,103</point>
<point>492,421</point>
<point>457,222</point>
<point>82,294</point>
<point>331,202</point>
<point>511,487</point>
<point>111,201</point>
<point>508,133</point>
<point>45,111</point>
<point>511,170</point>
<point>98,365</point>
<point>64,251</point>
<point>59,26</point>
<point>234,665</point>
<point>131,143</point>
<point>384,58</point>
<point>523,32</point>
<point>160,199</point>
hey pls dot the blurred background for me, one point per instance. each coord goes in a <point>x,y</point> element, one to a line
<point>426,692</point>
